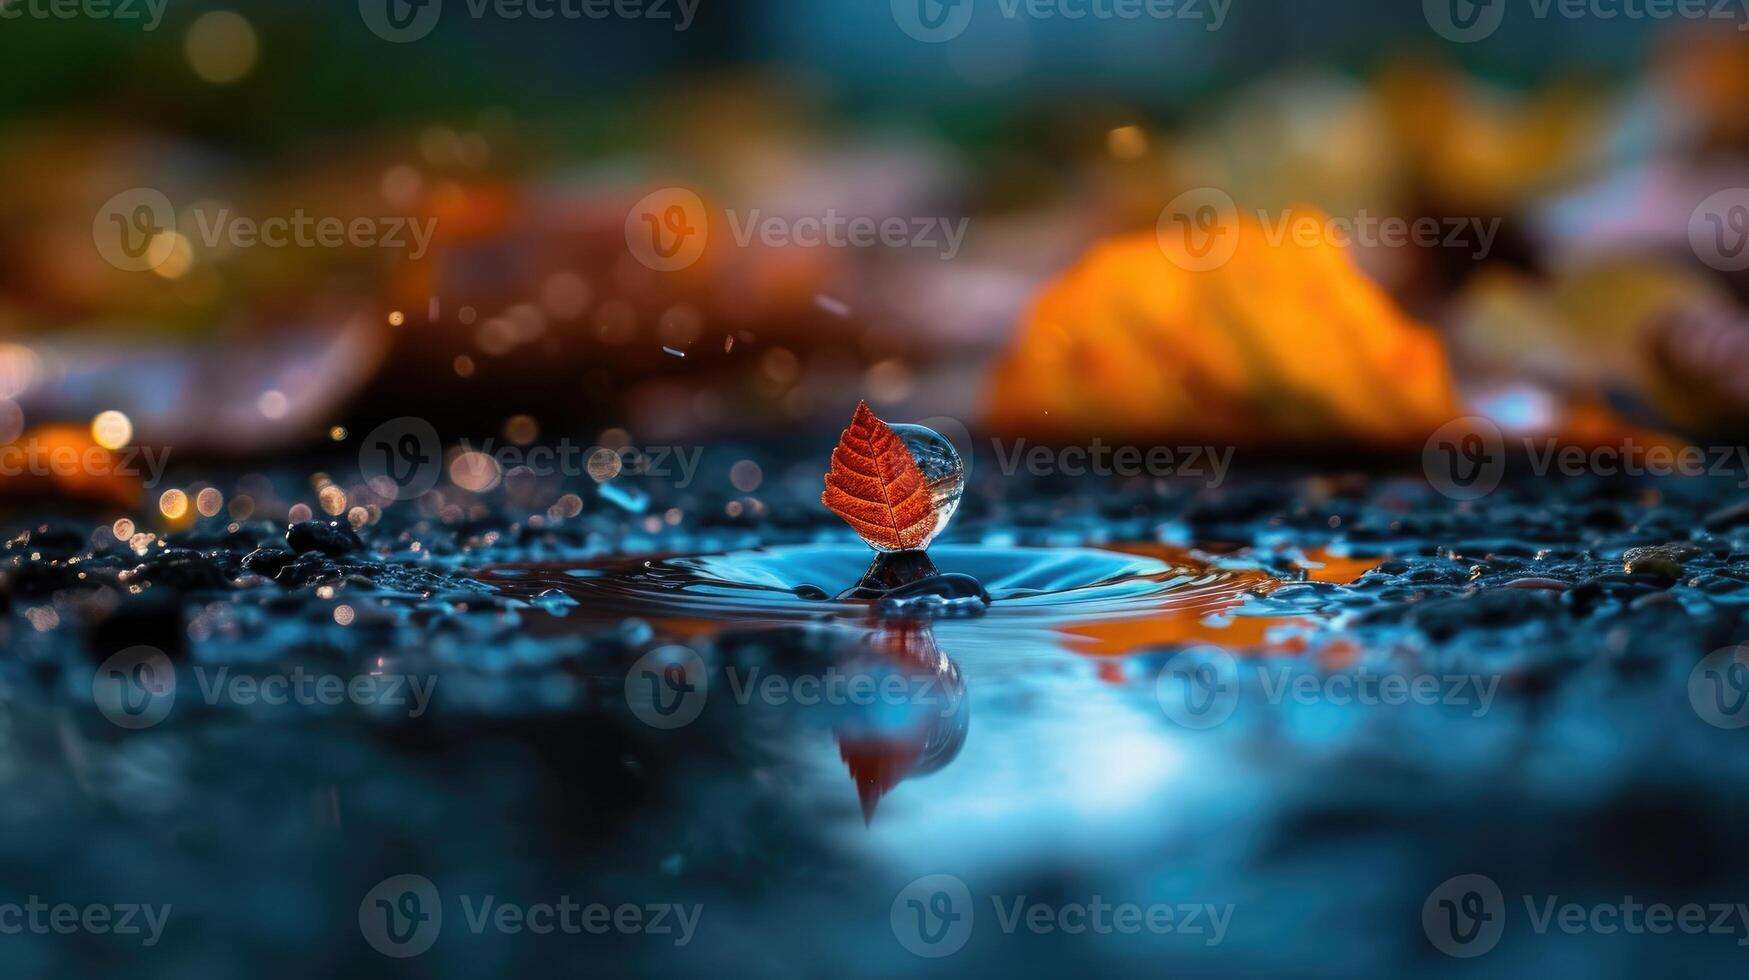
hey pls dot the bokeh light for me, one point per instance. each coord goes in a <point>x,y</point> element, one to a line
<point>222,47</point>
<point>173,504</point>
<point>112,429</point>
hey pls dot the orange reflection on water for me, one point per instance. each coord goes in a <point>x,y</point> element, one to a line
<point>1322,566</point>
<point>1208,619</point>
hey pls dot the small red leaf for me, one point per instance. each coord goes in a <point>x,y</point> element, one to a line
<point>876,487</point>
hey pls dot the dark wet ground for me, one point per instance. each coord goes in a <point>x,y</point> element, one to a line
<point>627,711</point>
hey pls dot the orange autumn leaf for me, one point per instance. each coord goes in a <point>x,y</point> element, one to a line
<point>877,488</point>
<point>1286,342</point>
<point>1479,151</point>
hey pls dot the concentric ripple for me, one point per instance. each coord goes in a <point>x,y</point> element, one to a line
<point>1082,583</point>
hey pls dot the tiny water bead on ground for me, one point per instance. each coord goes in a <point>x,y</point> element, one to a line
<point>1030,743</point>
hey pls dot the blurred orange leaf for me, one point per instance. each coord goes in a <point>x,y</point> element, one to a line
<point>1285,342</point>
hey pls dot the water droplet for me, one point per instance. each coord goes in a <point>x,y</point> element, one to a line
<point>944,473</point>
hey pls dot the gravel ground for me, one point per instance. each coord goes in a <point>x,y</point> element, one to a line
<point>1579,748</point>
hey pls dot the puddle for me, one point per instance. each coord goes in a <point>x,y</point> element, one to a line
<point>817,611</point>
<point>1041,587</point>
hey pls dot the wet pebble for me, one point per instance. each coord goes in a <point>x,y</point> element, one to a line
<point>267,562</point>
<point>1661,561</point>
<point>183,569</point>
<point>1722,586</point>
<point>333,538</point>
<point>1545,584</point>
<point>952,593</point>
<point>50,541</point>
<point>1443,619</point>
